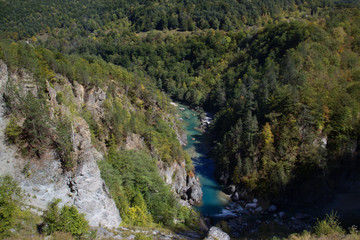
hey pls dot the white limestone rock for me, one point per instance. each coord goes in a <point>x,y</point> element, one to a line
<point>216,233</point>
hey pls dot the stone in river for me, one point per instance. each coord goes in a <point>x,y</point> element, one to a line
<point>282,214</point>
<point>272,208</point>
<point>250,205</point>
<point>235,197</point>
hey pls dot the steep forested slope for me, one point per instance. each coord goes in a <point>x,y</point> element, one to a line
<point>295,106</point>
<point>66,113</point>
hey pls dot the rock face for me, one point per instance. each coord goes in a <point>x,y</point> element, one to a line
<point>216,233</point>
<point>44,179</point>
<point>7,153</point>
<point>91,194</point>
<point>134,141</point>
<point>186,185</point>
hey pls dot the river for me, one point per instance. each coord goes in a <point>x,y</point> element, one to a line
<point>213,200</point>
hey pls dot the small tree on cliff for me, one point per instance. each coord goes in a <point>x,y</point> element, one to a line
<point>68,219</point>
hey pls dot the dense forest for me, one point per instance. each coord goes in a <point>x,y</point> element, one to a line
<point>289,90</point>
<point>23,19</point>
<point>282,79</point>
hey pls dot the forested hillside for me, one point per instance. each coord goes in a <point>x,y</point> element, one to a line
<point>294,107</point>
<point>54,102</point>
<point>24,19</point>
<point>282,79</point>
<point>288,92</point>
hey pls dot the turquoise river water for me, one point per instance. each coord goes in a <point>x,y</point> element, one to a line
<point>213,200</point>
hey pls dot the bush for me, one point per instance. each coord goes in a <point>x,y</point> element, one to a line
<point>64,144</point>
<point>67,220</point>
<point>13,131</point>
<point>72,221</point>
<point>142,236</point>
<point>330,225</point>
<point>10,200</point>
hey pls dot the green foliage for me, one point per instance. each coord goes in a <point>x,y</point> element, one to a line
<point>51,216</point>
<point>138,190</point>
<point>85,18</point>
<point>36,125</point>
<point>68,219</point>
<point>34,133</point>
<point>282,100</point>
<point>330,225</point>
<point>10,200</point>
<point>142,236</point>
<point>13,130</point>
<point>64,145</point>
<point>284,91</point>
<point>72,221</point>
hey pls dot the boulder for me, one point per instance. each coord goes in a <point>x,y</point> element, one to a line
<point>203,226</point>
<point>272,208</point>
<point>250,205</point>
<point>235,197</point>
<point>216,233</point>
<point>229,189</point>
<point>282,214</point>
<point>195,194</point>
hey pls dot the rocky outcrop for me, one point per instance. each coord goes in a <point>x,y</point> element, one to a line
<point>134,141</point>
<point>44,179</point>
<point>187,185</point>
<point>7,153</point>
<point>91,194</point>
<point>95,97</point>
<point>216,233</point>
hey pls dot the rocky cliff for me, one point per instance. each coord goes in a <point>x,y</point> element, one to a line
<point>186,185</point>
<point>45,178</point>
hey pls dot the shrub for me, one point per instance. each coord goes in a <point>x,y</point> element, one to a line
<point>142,236</point>
<point>68,219</point>
<point>330,225</point>
<point>64,144</point>
<point>12,131</point>
<point>72,221</point>
<point>10,200</point>
<point>60,97</point>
